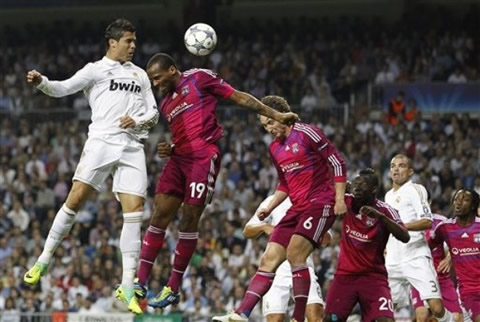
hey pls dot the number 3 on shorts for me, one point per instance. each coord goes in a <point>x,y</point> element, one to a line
<point>307,224</point>
<point>197,188</point>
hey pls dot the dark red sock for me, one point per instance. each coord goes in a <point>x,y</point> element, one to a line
<point>152,244</point>
<point>301,288</point>
<point>258,287</point>
<point>187,243</point>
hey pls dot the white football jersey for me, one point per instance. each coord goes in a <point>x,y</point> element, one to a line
<point>411,202</point>
<point>113,90</point>
<point>273,219</point>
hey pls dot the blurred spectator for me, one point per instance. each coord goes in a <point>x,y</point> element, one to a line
<point>396,109</point>
<point>457,77</point>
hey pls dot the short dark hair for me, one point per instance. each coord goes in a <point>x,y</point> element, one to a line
<point>163,60</point>
<point>370,175</point>
<point>277,103</point>
<point>116,29</point>
<point>475,198</point>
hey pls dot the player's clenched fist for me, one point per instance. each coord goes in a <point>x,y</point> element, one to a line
<point>34,77</point>
<point>164,149</point>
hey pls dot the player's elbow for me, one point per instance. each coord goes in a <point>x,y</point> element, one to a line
<point>404,237</point>
<point>249,232</point>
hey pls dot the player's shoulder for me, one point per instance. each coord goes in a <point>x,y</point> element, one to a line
<point>310,131</point>
<point>385,207</point>
<point>199,72</point>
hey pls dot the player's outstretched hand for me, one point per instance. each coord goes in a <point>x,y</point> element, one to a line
<point>34,78</point>
<point>126,122</point>
<point>370,212</point>
<point>263,213</point>
<point>164,150</point>
<point>340,207</point>
<point>289,118</point>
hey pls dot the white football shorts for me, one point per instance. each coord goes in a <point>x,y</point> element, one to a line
<point>277,298</point>
<point>419,273</point>
<point>121,157</point>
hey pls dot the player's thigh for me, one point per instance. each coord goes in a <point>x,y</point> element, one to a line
<point>130,175</point>
<point>78,194</point>
<point>375,298</point>
<point>399,286</point>
<point>421,274</point>
<point>471,303</point>
<point>275,301</point>
<point>172,179</point>
<point>314,222</point>
<point>200,176</point>
<point>97,162</point>
<point>341,297</point>
<point>450,296</point>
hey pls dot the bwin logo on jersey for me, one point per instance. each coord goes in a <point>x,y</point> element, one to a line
<point>132,87</point>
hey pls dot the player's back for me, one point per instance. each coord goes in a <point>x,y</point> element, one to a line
<point>306,172</point>
<point>363,240</point>
<point>464,244</point>
<point>410,200</point>
<point>190,110</point>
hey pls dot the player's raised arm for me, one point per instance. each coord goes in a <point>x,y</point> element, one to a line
<point>393,222</point>
<point>250,102</point>
<point>419,201</point>
<point>82,79</point>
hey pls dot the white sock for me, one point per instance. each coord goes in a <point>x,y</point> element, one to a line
<point>61,226</point>
<point>447,317</point>
<point>130,244</point>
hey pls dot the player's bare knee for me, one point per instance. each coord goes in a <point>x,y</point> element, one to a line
<point>275,317</point>
<point>296,258</point>
<point>436,306</point>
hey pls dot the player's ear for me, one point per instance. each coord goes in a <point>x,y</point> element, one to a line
<point>172,70</point>
<point>112,43</point>
<point>410,172</point>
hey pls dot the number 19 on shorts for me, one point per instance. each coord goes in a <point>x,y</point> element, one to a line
<point>197,190</point>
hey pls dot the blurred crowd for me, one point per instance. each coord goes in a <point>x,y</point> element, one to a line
<point>38,160</point>
<point>314,67</point>
<point>315,62</point>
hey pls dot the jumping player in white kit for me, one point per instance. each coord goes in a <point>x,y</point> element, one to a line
<point>123,110</point>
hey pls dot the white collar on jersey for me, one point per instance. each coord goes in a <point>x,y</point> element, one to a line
<point>112,62</point>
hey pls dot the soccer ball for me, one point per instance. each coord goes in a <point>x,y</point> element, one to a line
<point>200,39</point>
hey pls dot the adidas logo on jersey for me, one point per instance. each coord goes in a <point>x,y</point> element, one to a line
<point>464,235</point>
<point>131,87</point>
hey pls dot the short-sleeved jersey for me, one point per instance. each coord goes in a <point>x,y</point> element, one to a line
<point>190,109</point>
<point>302,161</point>
<point>113,90</point>
<point>464,247</point>
<point>411,202</point>
<point>364,239</point>
<point>438,253</point>
<point>273,219</point>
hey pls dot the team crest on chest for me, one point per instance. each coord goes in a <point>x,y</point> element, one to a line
<point>370,222</point>
<point>185,90</point>
<point>398,199</point>
<point>476,238</point>
<point>295,148</point>
<point>135,75</point>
